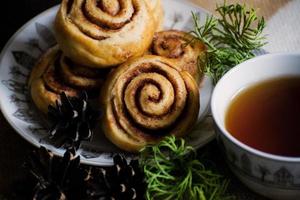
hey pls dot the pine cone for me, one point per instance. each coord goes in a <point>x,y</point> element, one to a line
<point>119,182</point>
<point>57,178</point>
<point>73,120</point>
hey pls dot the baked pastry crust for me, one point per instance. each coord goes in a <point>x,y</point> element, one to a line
<point>146,99</point>
<point>182,48</point>
<point>105,33</point>
<point>158,13</point>
<point>54,74</point>
<point>81,77</point>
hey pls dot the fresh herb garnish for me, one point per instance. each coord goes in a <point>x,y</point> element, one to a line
<point>172,171</point>
<point>230,39</point>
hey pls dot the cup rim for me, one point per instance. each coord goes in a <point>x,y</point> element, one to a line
<point>217,89</point>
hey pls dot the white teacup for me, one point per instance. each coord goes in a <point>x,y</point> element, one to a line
<point>276,177</point>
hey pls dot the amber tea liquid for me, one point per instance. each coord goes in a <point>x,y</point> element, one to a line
<point>266,116</point>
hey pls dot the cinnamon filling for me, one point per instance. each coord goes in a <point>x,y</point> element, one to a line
<point>69,6</point>
<point>138,129</point>
<point>138,103</point>
<point>115,8</point>
<point>141,130</point>
<point>144,132</point>
<point>102,24</point>
<point>111,7</point>
<point>168,46</point>
<point>138,93</point>
<point>54,83</point>
<point>155,99</point>
<point>85,72</point>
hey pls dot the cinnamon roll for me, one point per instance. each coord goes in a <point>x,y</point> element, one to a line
<point>182,48</point>
<point>54,73</point>
<point>146,99</point>
<point>157,10</point>
<point>104,33</point>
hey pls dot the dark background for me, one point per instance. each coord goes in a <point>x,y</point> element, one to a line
<point>14,14</point>
<point>13,148</point>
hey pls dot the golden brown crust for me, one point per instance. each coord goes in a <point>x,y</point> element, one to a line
<point>146,99</point>
<point>43,62</point>
<point>102,34</point>
<point>80,76</point>
<point>182,48</point>
<point>53,75</point>
<point>158,13</point>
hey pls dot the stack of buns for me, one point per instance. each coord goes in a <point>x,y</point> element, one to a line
<point>147,80</point>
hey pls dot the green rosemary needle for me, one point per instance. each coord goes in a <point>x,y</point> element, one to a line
<point>173,172</point>
<point>230,39</point>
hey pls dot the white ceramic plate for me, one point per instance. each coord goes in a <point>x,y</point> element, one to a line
<point>28,43</point>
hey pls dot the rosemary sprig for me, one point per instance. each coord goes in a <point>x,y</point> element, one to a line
<point>173,172</point>
<point>230,39</point>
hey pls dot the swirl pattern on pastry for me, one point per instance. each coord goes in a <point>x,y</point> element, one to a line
<point>81,77</point>
<point>182,48</point>
<point>104,33</point>
<point>147,98</point>
<point>54,74</point>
